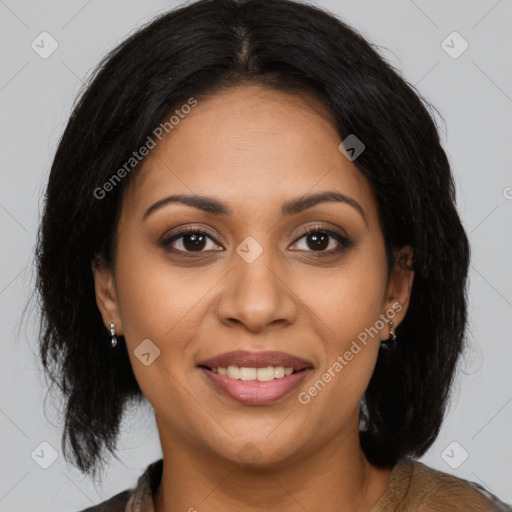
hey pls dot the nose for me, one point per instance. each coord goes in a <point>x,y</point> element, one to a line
<point>257,295</point>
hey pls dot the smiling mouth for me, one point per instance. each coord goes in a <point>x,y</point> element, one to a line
<point>255,386</point>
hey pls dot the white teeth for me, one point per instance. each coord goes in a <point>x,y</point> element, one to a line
<point>233,372</point>
<point>260,374</point>
<point>279,372</point>
<point>264,374</point>
<point>248,373</point>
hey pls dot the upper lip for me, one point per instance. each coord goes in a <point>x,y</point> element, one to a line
<point>244,358</point>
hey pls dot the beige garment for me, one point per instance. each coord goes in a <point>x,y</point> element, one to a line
<point>413,487</point>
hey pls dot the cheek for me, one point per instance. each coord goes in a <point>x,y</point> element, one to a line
<point>166,304</point>
<point>348,306</point>
<point>347,299</point>
<point>351,343</point>
<point>153,296</point>
<point>156,305</point>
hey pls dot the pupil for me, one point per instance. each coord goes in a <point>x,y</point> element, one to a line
<point>316,238</point>
<point>193,242</point>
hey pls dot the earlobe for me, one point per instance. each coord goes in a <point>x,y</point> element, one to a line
<point>106,297</point>
<point>400,284</point>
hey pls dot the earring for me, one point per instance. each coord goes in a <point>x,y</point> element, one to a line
<point>392,331</point>
<point>113,334</point>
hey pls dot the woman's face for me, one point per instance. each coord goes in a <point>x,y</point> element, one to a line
<point>249,279</point>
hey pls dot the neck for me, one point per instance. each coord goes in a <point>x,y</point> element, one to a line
<point>327,478</point>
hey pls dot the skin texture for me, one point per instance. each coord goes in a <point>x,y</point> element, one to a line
<point>254,148</point>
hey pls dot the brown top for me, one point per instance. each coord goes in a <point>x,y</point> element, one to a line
<point>413,487</point>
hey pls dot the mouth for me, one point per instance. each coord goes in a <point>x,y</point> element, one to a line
<point>253,378</point>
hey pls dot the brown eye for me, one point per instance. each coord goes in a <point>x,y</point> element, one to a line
<point>193,241</point>
<point>318,240</point>
<point>189,241</point>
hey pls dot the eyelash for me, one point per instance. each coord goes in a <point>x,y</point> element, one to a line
<point>344,242</point>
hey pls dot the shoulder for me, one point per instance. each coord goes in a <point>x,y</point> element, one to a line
<point>429,489</point>
<point>115,504</point>
<point>139,498</point>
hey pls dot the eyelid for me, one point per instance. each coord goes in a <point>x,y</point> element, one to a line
<point>324,229</point>
<point>194,229</point>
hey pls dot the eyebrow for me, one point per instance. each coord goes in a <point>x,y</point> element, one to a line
<point>292,207</point>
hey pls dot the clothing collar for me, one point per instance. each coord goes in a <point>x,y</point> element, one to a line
<point>142,498</point>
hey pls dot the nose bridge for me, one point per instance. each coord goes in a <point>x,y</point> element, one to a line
<point>255,293</point>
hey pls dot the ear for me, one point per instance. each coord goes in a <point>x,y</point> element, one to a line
<point>106,297</point>
<point>398,294</point>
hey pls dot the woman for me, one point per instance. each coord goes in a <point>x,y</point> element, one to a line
<point>250,222</point>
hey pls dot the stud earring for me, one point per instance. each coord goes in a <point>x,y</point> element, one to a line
<point>392,332</point>
<point>113,334</point>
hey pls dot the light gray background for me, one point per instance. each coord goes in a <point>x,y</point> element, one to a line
<point>474,95</point>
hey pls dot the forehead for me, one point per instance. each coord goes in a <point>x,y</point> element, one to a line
<point>253,147</point>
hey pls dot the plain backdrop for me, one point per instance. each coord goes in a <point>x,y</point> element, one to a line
<point>471,87</point>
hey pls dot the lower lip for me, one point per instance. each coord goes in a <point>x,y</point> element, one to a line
<point>254,392</point>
